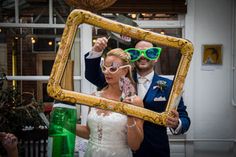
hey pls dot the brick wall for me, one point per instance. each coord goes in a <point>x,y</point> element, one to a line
<point>27,61</point>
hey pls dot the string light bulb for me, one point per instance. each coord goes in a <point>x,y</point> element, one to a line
<point>33,41</point>
<point>50,43</point>
<point>133,16</point>
<point>162,32</point>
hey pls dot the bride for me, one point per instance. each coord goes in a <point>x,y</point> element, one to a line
<point>112,134</point>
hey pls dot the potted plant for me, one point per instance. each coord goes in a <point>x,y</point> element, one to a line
<point>20,113</point>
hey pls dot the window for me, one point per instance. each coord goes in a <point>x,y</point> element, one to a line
<point>44,67</point>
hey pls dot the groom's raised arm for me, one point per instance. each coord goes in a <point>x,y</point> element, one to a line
<point>93,71</point>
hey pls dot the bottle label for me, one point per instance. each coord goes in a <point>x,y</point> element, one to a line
<point>62,105</point>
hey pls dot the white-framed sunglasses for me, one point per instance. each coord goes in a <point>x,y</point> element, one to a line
<point>113,68</point>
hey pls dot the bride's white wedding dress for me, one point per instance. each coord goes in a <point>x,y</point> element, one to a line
<point>108,135</point>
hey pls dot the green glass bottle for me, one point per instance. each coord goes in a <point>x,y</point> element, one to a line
<point>62,130</point>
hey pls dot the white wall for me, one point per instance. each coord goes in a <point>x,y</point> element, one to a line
<point>208,92</point>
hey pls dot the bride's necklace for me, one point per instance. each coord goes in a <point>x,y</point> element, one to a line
<point>105,112</point>
<point>102,112</point>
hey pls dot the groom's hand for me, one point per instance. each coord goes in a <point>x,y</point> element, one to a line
<point>100,45</point>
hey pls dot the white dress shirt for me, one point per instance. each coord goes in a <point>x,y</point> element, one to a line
<point>149,78</point>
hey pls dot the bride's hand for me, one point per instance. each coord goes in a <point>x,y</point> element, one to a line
<point>134,100</point>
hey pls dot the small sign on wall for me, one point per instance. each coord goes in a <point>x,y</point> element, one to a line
<point>212,56</point>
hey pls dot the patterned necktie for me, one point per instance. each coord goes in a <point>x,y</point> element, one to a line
<point>141,87</point>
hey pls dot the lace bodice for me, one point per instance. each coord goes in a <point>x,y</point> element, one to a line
<point>107,129</point>
<point>108,135</point>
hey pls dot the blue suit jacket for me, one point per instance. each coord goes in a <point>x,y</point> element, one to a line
<point>155,141</point>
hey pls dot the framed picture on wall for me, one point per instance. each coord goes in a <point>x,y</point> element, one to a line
<point>212,54</point>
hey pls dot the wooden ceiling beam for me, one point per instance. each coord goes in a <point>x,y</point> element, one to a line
<point>148,6</point>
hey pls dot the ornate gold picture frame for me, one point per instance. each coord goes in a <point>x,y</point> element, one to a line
<point>78,17</point>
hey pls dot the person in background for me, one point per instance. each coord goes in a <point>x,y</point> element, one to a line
<point>152,88</point>
<point>111,133</point>
<point>9,142</point>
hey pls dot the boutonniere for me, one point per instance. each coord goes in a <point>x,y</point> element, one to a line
<point>160,84</point>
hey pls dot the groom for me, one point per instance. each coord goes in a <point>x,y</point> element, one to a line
<point>156,94</point>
